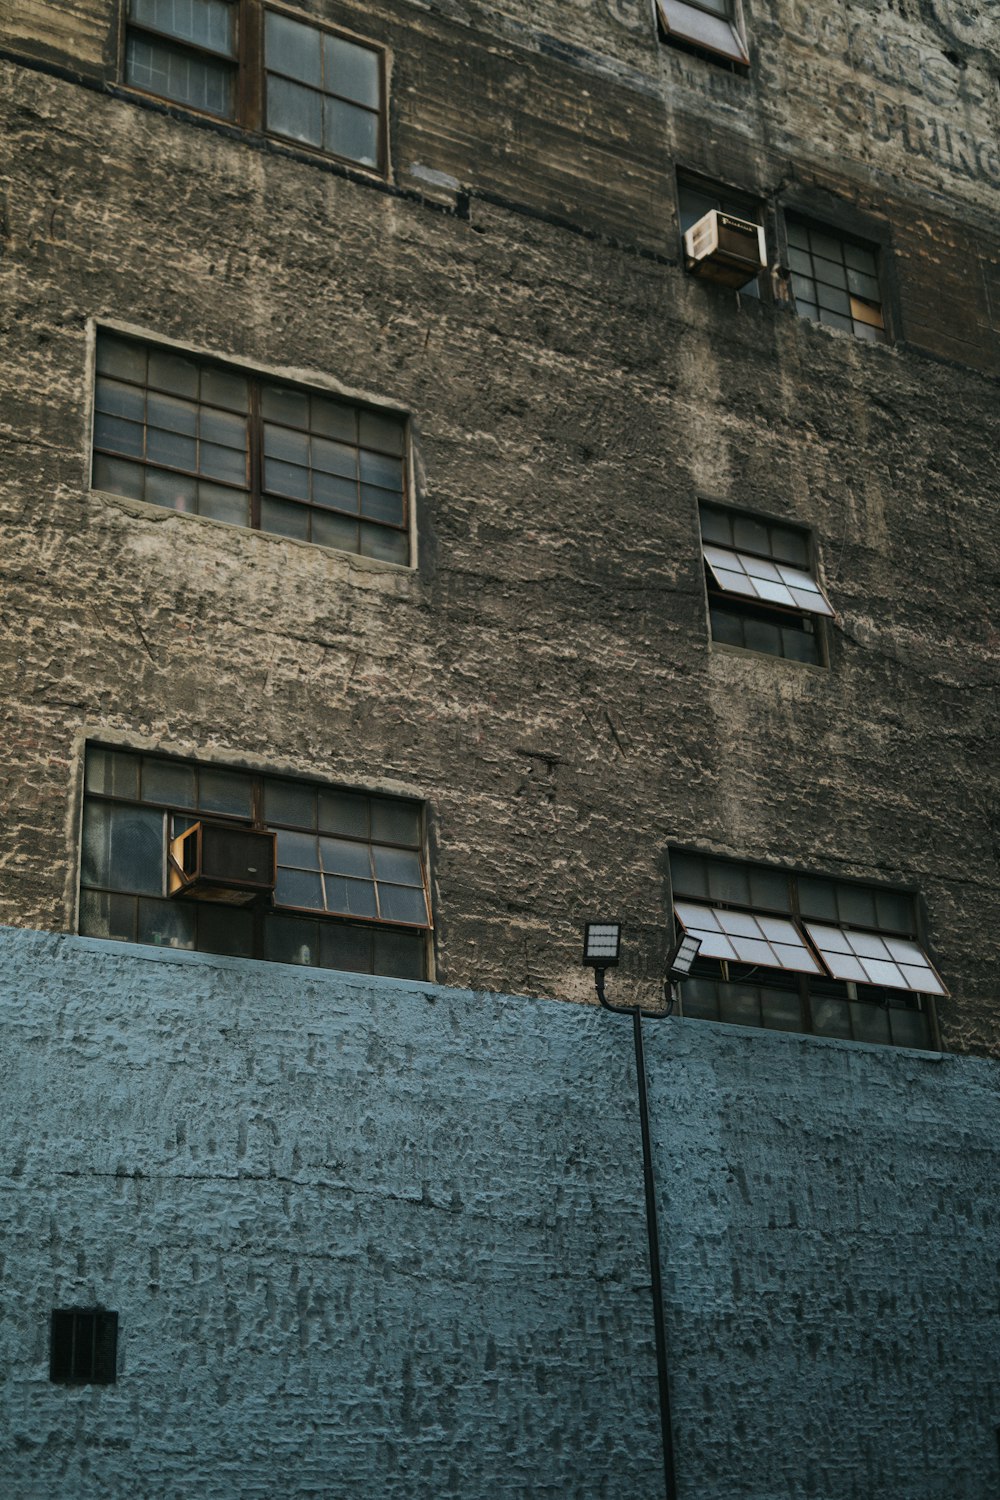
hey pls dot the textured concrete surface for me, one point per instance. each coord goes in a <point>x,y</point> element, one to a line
<point>382,1239</point>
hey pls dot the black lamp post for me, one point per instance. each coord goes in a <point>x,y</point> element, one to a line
<point>601,943</point>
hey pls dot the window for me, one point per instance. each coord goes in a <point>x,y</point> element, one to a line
<point>213,440</point>
<point>803,953</point>
<point>835,280</point>
<point>351,887</point>
<point>83,1346</point>
<point>762,595</point>
<point>697,197</point>
<point>315,86</point>
<point>707,26</point>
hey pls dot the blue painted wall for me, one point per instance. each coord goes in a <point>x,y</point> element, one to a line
<point>378,1239</point>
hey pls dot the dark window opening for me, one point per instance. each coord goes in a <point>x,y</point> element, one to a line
<point>351,889</point>
<point>696,197</point>
<point>802,953</point>
<point>83,1346</point>
<point>313,85</point>
<point>213,440</point>
<point>762,591</point>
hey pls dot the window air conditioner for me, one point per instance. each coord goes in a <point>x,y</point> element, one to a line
<point>726,249</point>
<point>221,862</point>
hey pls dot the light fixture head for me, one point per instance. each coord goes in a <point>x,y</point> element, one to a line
<point>601,941</point>
<point>684,955</point>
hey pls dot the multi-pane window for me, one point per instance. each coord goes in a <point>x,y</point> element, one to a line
<point>83,1346</point>
<point>835,280</point>
<point>213,440</point>
<point>803,953</point>
<point>351,888</point>
<point>762,594</point>
<point>314,85</point>
<point>708,26</point>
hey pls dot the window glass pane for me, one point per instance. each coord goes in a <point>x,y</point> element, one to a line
<point>341,494</point>
<point>335,458</point>
<point>225,792</point>
<point>740,1005</point>
<point>401,903</point>
<point>295,112</point>
<point>910,1028</point>
<point>799,645</point>
<point>113,772</point>
<point>121,357</point>
<point>171,449</point>
<point>344,813</point>
<point>333,419</point>
<point>226,464</point>
<point>726,627</point>
<point>825,245</point>
<point>289,940</point>
<point>829,273</point>
<point>400,954</point>
<point>387,546</point>
<point>728,882</point>
<point>382,505</point>
<point>716,526</point>
<point>119,400</point>
<point>105,915</point>
<point>385,433</point>
<point>166,924</point>
<point>330,530</point>
<point>173,491</point>
<point>118,477</point>
<point>700,998</point>
<point>205,22</point>
<point>856,905</point>
<point>225,929</point>
<point>782,1010</point>
<point>286,479</point>
<point>293,49</point>
<point>168,781</point>
<point>688,875</point>
<point>750,534</point>
<point>401,866</point>
<point>833,300</point>
<point>123,848</point>
<point>220,504</point>
<point>341,857</point>
<point>281,404</point>
<point>289,802</point>
<point>224,388</point>
<point>835,320</point>
<point>395,822</point>
<point>762,635</point>
<point>352,71</point>
<point>347,947</point>
<point>158,68</point>
<point>860,260</point>
<point>797,234</point>
<point>284,519</point>
<point>351,132</point>
<point>382,470</point>
<point>286,443</point>
<point>769,890</point>
<point>300,849</point>
<point>894,911</point>
<point>298,888</point>
<point>120,437</point>
<point>355,898</point>
<point>831,1017</point>
<point>816,898</point>
<point>870,1022</point>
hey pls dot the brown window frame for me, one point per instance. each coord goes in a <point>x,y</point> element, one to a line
<point>809,989</point>
<point>765,611</point>
<point>254,418</point>
<point>178,814</point>
<point>250,75</point>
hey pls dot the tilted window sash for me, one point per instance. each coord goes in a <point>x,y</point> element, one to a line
<point>709,25</point>
<point>749,577</point>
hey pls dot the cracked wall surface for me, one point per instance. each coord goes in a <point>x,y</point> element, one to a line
<point>384,1239</point>
<point>543,679</point>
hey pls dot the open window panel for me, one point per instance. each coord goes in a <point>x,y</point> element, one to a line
<point>699,196</point>
<point>802,953</point>
<point>346,888</point>
<point>763,593</point>
<point>708,27</point>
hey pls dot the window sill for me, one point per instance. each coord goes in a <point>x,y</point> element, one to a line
<point>144,510</point>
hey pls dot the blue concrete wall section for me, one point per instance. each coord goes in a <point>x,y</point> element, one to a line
<point>365,1238</point>
<point>830,1227</point>
<point>385,1240</point>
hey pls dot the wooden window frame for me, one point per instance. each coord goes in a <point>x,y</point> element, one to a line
<point>250,69</point>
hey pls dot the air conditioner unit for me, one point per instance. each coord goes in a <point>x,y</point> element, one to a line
<point>222,862</point>
<point>723,248</point>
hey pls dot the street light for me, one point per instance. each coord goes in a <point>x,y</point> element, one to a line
<point>601,946</point>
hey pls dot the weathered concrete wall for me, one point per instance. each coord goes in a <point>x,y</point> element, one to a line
<point>544,678</point>
<point>381,1239</point>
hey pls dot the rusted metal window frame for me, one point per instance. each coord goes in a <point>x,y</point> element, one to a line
<point>755,608</point>
<point>250,75</point>
<point>924,1002</point>
<point>811,222</point>
<point>178,814</point>
<point>254,425</point>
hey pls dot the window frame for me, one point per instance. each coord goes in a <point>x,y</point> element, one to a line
<point>821,631</point>
<point>257,378</point>
<point>843,223</point>
<point>798,983</point>
<point>174,814</point>
<point>752,206</point>
<point>250,81</point>
<point>736,59</point>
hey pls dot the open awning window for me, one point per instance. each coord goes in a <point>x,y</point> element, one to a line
<point>867,958</point>
<point>750,577</point>
<point>708,25</point>
<point>742,937</point>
